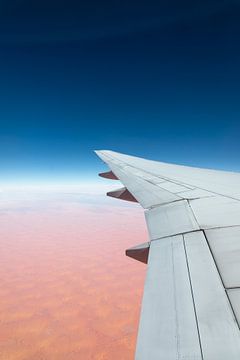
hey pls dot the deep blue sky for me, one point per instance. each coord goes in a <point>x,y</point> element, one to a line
<point>158,79</point>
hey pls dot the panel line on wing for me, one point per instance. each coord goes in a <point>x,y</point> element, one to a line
<point>218,327</point>
<point>220,276</point>
<point>167,327</point>
<point>194,305</point>
<point>198,187</point>
<point>122,162</point>
<point>189,204</point>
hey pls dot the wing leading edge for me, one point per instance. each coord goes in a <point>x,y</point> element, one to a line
<point>191,302</point>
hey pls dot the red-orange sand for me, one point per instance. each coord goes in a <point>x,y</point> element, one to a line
<point>67,290</point>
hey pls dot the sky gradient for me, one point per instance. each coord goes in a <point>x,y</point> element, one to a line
<point>156,79</point>
<point>150,78</point>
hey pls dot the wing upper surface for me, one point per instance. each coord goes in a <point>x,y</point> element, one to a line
<point>215,181</point>
<point>193,276</point>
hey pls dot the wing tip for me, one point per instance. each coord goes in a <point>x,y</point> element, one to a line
<point>97,151</point>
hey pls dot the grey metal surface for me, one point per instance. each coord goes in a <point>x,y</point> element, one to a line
<point>143,174</point>
<point>146,193</point>
<point>218,182</point>
<point>195,194</point>
<point>170,219</point>
<point>234,296</point>
<point>173,187</point>
<point>225,246</point>
<point>168,328</point>
<point>219,333</point>
<point>217,212</point>
<point>187,270</point>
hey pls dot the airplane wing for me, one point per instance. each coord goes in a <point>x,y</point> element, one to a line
<point>191,303</point>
